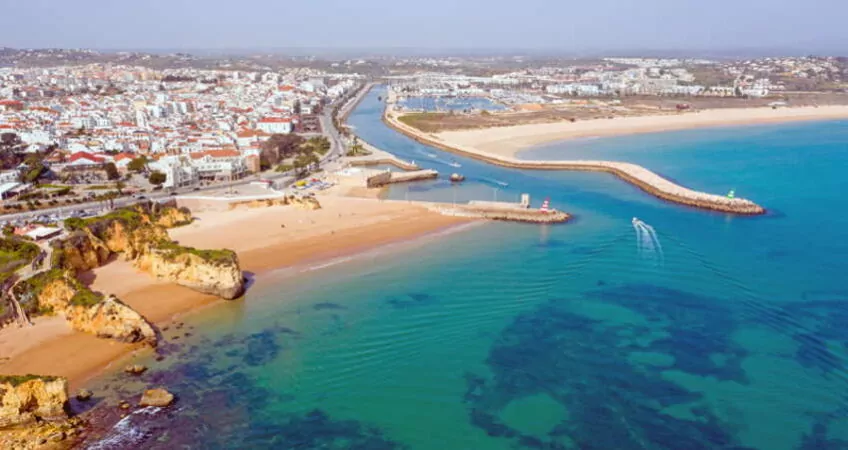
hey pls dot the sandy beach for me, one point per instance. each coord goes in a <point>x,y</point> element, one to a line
<point>264,238</point>
<point>509,141</point>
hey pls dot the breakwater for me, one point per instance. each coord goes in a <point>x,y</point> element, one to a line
<point>505,212</point>
<point>384,178</point>
<point>634,174</point>
<point>378,157</point>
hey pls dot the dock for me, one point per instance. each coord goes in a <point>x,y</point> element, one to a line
<point>634,174</point>
<point>388,177</point>
<point>379,157</point>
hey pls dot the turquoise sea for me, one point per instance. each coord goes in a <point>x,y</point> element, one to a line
<point>712,332</point>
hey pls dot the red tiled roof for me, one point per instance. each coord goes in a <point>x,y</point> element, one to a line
<point>85,155</point>
<point>274,120</point>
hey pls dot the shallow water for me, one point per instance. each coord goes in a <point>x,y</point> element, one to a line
<point>517,336</point>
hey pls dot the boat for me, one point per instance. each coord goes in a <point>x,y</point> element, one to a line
<point>456,178</point>
<point>454,164</point>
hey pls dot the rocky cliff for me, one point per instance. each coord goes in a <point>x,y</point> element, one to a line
<point>28,398</point>
<point>306,202</point>
<point>56,291</point>
<point>215,272</point>
<point>139,235</point>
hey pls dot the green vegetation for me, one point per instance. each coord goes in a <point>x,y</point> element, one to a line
<point>157,178</point>
<point>283,168</point>
<point>98,187</point>
<point>30,289</point>
<point>138,164</point>
<point>172,250</point>
<point>54,186</point>
<point>16,380</point>
<point>112,171</point>
<point>318,144</point>
<point>14,254</point>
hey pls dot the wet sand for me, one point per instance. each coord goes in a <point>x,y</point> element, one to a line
<point>264,238</point>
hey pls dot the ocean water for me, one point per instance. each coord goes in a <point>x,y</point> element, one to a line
<point>705,331</point>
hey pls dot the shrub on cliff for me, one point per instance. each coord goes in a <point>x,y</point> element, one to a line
<point>16,380</point>
<point>171,250</point>
<point>14,254</point>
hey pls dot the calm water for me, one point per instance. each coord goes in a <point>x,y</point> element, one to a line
<point>451,103</point>
<point>727,333</point>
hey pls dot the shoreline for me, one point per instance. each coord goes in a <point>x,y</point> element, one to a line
<point>511,141</point>
<point>634,174</point>
<point>339,232</point>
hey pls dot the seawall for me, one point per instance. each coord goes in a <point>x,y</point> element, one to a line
<point>634,174</point>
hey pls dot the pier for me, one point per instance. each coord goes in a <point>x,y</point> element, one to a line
<point>511,212</point>
<point>388,177</point>
<point>379,157</point>
<point>634,174</point>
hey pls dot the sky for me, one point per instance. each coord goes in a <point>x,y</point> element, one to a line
<point>581,26</point>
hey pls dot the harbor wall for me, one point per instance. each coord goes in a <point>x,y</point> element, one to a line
<point>634,174</point>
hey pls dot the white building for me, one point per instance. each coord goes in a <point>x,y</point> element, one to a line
<point>275,125</point>
<point>178,170</point>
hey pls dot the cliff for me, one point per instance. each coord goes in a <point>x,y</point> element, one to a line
<point>139,235</point>
<point>58,292</point>
<point>29,398</point>
<point>306,202</point>
<point>215,272</point>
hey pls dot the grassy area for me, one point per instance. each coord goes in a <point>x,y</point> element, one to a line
<point>53,186</point>
<point>99,187</point>
<point>29,290</point>
<point>217,257</point>
<point>16,380</point>
<point>14,254</point>
<point>283,168</point>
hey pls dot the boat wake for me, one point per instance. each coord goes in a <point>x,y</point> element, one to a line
<point>647,243</point>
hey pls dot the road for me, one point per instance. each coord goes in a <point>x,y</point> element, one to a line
<point>284,179</point>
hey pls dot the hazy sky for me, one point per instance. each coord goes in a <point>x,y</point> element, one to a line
<point>568,25</point>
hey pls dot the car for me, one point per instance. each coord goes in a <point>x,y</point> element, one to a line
<point>196,189</point>
<point>173,193</point>
<point>141,197</point>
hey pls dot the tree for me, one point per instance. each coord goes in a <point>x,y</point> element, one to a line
<point>138,164</point>
<point>157,178</point>
<point>281,146</point>
<point>112,171</point>
<point>119,186</point>
<point>302,163</point>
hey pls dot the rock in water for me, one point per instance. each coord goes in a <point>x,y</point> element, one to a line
<point>112,319</point>
<point>156,397</point>
<point>29,398</point>
<point>84,395</point>
<point>135,369</point>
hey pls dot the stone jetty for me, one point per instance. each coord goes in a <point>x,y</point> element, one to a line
<point>634,174</point>
<point>512,212</point>
<point>379,157</point>
<point>387,177</point>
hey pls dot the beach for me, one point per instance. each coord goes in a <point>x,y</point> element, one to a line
<point>510,141</point>
<point>264,238</point>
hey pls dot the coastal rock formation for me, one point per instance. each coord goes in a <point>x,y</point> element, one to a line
<point>306,202</point>
<point>112,319</point>
<point>156,397</point>
<point>140,236</point>
<point>215,272</point>
<point>57,291</point>
<point>28,398</point>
